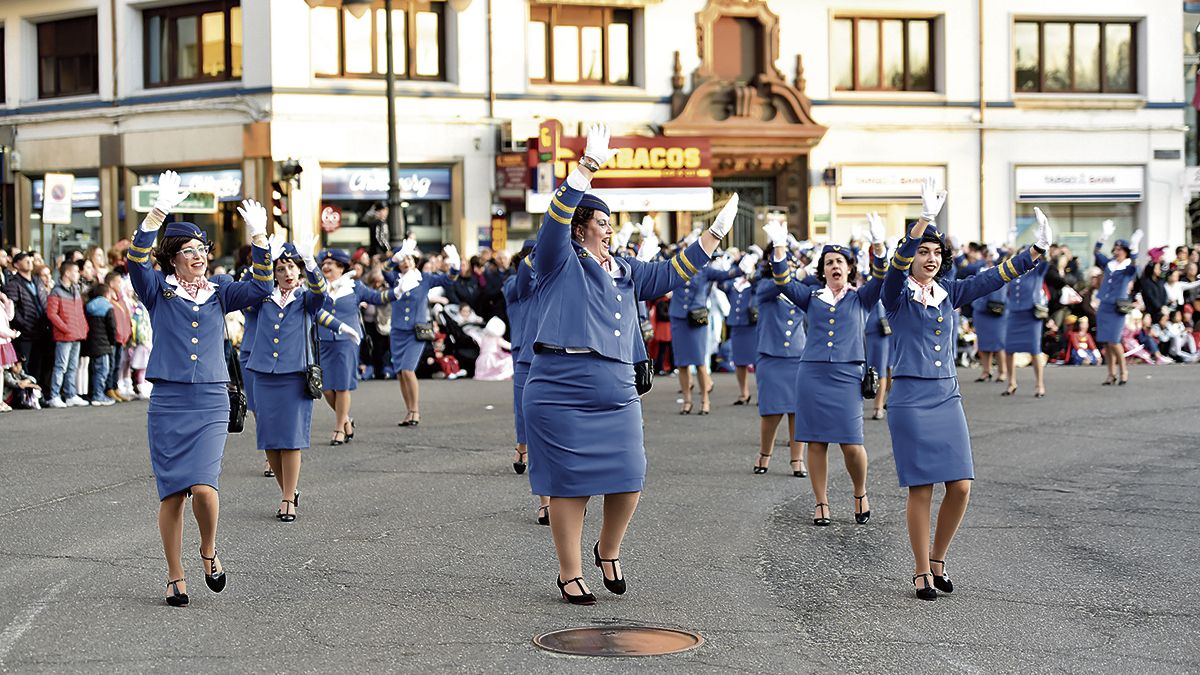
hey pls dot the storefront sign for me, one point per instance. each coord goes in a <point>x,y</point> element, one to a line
<point>625,200</point>
<point>56,206</point>
<point>371,182</point>
<point>225,183</point>
<point>548,141</point>
<point>512,176</point>
<point>196,202</point>
<point>331,218</point>
<point>85,193</point>
<point>1080,183</point>
<point>883,183</point>
<point>641,162</point>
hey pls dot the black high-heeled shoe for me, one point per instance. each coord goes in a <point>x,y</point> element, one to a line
<point>798,473</point>
<point>176,599</point>
<point>1109,381</point>
<point>758,468</point>
<point>743,401</point>
<point>704,408</point>
<point>334,442</point>
<point>942,581</point>
<point>925,592</point>
<point>1123,381</point>
<point>861,517</point>
<point>520,465</point>
<point>582,599</point>
<point>984,378</point>
<point>543,515</point>
<point>822,521</point>
<point>350,434</point>
<point>286,517</point>
<point>410,421</point>
<point>686,409</point>
<point>616,585</point>
<point>1010,391</point>
<point>215,582</point>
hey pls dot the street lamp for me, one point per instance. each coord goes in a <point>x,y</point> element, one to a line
<point>358,8</point>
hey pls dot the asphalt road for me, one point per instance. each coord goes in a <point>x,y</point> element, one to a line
<point>415,549</point>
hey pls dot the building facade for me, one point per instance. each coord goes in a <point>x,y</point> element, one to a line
<point>823,110</point>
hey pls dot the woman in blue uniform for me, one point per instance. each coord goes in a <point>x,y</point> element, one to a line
<point>410,310</point>
<point>831,368</point>
<point>283,349</point>
<point>250,316</point>
<point>1119,273</point>
<point>689,332</point>
<point>930,442</point>
<point>742,322</point>
<point>188,419</point>
<point>1023,328</point>
<point>780,346</point>
<point>339,348</point>
<point>583,417</point>
<point>988,314</point>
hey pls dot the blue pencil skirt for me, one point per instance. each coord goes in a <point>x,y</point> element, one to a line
<point>687,343</point>
<point>744,340</point>
<point>187,425</point>
<point>520,374</point>
<point>406,350</point>
<point>284,418</point>
<point>339,365</point>
<point>879,350</point>
<point>930,441</point>
<point>583,423</point>
<point>247,380</point>
<point>991,331</point>
<point>832,409</point>
<point>1023,333</point>
<point>1109,324</point>
<point>775,378</point>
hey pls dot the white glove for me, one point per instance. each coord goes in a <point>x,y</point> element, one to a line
<point>255,216</point>
<point>597,144</point>
<point>793,243</point>
<point>722,264</point>
<point>777,233</point>
<point>748,263</point>
<point>648,248</point>
<point>756,250</point>
<point>857,233</point>
<point>1107,229</point>
<point>724,220</point>
<point>876,227</point>
<point>621,238</point>
<point>306,243</point>
<point>170,192</point>
<point>932,200</point>
<point>407,247</point>
<point>1044,234</point>
<point>646,229</point>
<point>450,251</point>
<point>275,242</point>
<point>348,331</point>
<point>1135,242</point>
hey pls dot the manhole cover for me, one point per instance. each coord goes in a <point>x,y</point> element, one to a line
<point>618,641</point>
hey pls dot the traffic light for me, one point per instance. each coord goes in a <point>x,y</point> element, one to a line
<point>278,206</point>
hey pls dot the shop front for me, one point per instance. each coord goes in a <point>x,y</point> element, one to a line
<point>351,197</point>
<point>891,190</point>
<point>83,231</point>
<point>1078,199</point>
<point>215,196</point>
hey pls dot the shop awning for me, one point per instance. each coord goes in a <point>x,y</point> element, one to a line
<point>636,199</point>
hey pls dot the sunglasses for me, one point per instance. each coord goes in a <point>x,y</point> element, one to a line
<point>194,251</point>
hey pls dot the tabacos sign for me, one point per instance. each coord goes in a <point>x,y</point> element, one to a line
<point>640,162</point>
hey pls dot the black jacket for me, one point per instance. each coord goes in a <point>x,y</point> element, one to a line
<point>29,307</point>
<point>102,328</point>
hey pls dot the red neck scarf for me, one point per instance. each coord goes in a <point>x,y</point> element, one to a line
<point>926,291</point>
<point>194,287</point>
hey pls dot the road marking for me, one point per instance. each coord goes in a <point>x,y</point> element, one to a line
<point>23,622</point>
<point>63,498</point>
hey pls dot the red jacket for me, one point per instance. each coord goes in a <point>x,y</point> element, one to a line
<point>64,308</point>
<point>124,321</point>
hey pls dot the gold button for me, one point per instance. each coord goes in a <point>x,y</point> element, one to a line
<point>828,344</point>
<point>617,333</point>
<point>276,340</point>
<point>281,315</point>
<point>831,322</point>
<point>193,357</point>
<point>276,326</point>
<point>618,315</point>
<point>937,364</point>
<point>940,319</point>
<point>787,344</point>
<point>830,333</point>
<point>937,348</point>
<point>937,332</point>
<point>195,341</point>
<point>831,309</point>
<point>787,333</point>
<point>275,354</point>
<point>195,325</point>
<point>791,311</point>
<point>790,322</point>
<point>195,308</point>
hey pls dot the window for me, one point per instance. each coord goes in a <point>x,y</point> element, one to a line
<point>882,54</point>
<point>200,42</point>
<point>1074,57</point>
<point>580,45</point>
<point>346,46</point>
<point>67,57</point>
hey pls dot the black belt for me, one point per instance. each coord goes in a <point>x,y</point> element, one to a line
<point>539,348</point>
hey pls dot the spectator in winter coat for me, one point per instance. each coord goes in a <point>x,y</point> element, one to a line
<point>1154,294</point>
<point>64,308</point>
<point>115,293</point>
<point>35,346</point>
<point>101,337</point>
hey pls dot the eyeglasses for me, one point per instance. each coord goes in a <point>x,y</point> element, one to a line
<point>194,251</point>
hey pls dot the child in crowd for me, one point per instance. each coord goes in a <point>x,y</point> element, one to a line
<point>23,390</point>
<point>1081,346</point>
<point>101,337</point>
<point>495,360</point>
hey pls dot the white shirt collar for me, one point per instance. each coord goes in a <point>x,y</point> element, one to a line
<point>410,280</point>
<point>939,293</point>
<point>205,293</point>
<point>741,284</point>
<point>341,288</point>
<point>1114,266</point>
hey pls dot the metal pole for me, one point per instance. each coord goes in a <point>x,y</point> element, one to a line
<point>396,226</point>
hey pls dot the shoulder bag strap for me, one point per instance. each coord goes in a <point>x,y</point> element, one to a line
<point>234,367</point>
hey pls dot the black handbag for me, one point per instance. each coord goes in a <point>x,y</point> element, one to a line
<point>314,377</point>
<point>643,376</point>
<point>1041,312</point>
<point>995,307</point>
<point>1124,306</point>
<point>752,313</point>
<point>237,392</point>
<point>424,331</point>
<point>885,326</point>
<point>870,381</point>
<point>698,317</point>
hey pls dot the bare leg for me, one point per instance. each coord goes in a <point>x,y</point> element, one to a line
<point>1002,365</point>
<point>1012,372</point>
<point>1111,361</point>
<point>768,426</point>
<point>414,392</point>
<point>1039,374</point>
<point>920,502</point>
<point>206,507</point>
<point>881,397</point>
<point>985,364</point>
<point>404,392</point>
<point>618,511</point>
<point>818,473</point>
<point>276,464</point>
<point>1119,353</point>
<point>855,457</point>
<point>705,385</point>
<point>950,516</point>
<point>685,384</point>
<point>329,399</point>
<point>170,529</point>
<point>290,475</point>
<point>341,408</point>
<point>743,386</point>
<point>566,526</point>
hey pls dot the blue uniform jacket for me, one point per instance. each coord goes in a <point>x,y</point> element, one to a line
<point>281,339</point>
<point>250,314</point>
<point>740,303</point>
<point>780,322</point>
<point>695,291</point>
<point>344,308</point>
<point>980,304</point>
<point>412,307</point>
<point>923,337</point>
<point>1026,290</point>
<point>834,333</point>
<point>518,289</point>
<point>581,304</point>
<point>190,337</point>
<point>1116,282</point>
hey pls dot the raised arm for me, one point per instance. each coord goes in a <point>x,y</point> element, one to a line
<point>655,279</point>
<point>869,292</point>
<point>327,320</point>
<point>250,292</point>
<point>963,291</point>
<point>142,276</point>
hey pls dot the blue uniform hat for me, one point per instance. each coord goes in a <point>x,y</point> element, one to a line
<point>591,201</point>
<point>189,230</point>
<point>338,254</point>
<point>289,252</point>
<point>1123,243</point>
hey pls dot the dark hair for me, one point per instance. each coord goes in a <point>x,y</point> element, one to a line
<point>767,271</point>
<point>67,265</point>
<point>580,220</point>
<point>166,251</point>
<point>97,291</point>
<point>110,276</point>
<point>845,253</point>
<point>947,254</point>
